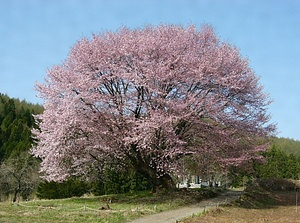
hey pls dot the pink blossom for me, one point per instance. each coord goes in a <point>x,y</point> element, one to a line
<point>150,96</point>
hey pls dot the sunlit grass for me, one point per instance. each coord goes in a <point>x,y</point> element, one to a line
<point>122,208</point>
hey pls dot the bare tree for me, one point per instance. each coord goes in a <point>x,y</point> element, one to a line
<point>19,176</point>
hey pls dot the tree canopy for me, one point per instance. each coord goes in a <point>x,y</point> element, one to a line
<point>146,98</point>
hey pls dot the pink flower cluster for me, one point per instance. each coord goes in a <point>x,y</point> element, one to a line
<point>150,96</point>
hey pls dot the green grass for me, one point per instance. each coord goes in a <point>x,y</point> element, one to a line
<point>123,208</point>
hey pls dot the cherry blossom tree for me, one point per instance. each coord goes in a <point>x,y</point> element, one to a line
<point>149,97</point>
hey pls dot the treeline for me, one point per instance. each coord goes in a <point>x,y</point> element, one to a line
<point>279,162</point>
<point>16,121</point>
<point>19,171</point>
<point>289,146</point>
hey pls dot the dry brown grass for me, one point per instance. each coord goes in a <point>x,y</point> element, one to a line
<point>282,210</point>
<point>280,214</point>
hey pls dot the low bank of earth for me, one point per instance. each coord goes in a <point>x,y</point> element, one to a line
<point>267,200</point>
<point>284,211</point>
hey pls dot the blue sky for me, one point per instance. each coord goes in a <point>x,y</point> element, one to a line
<point>37,34</point>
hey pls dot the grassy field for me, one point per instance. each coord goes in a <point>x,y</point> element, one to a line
<point>122,208</point>
<point>256,205</point>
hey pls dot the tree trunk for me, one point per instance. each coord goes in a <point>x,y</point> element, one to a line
<point>163,183</point>
<point>141,165</point>
<point>15,195</point>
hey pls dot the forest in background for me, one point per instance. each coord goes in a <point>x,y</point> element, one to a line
<point>19,175</point>
<point>16,121</point>
<point>289,146</point>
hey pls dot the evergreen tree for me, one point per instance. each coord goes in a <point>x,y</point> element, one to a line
<point>16,122</point>
<point>18,169</point>
<point>278,164</point>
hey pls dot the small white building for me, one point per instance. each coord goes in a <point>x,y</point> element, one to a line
<point>196,182</point>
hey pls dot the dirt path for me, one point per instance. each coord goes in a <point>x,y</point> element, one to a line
<point>173,216</point>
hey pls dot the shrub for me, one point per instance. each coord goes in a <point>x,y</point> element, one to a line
<point>73,187</point>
